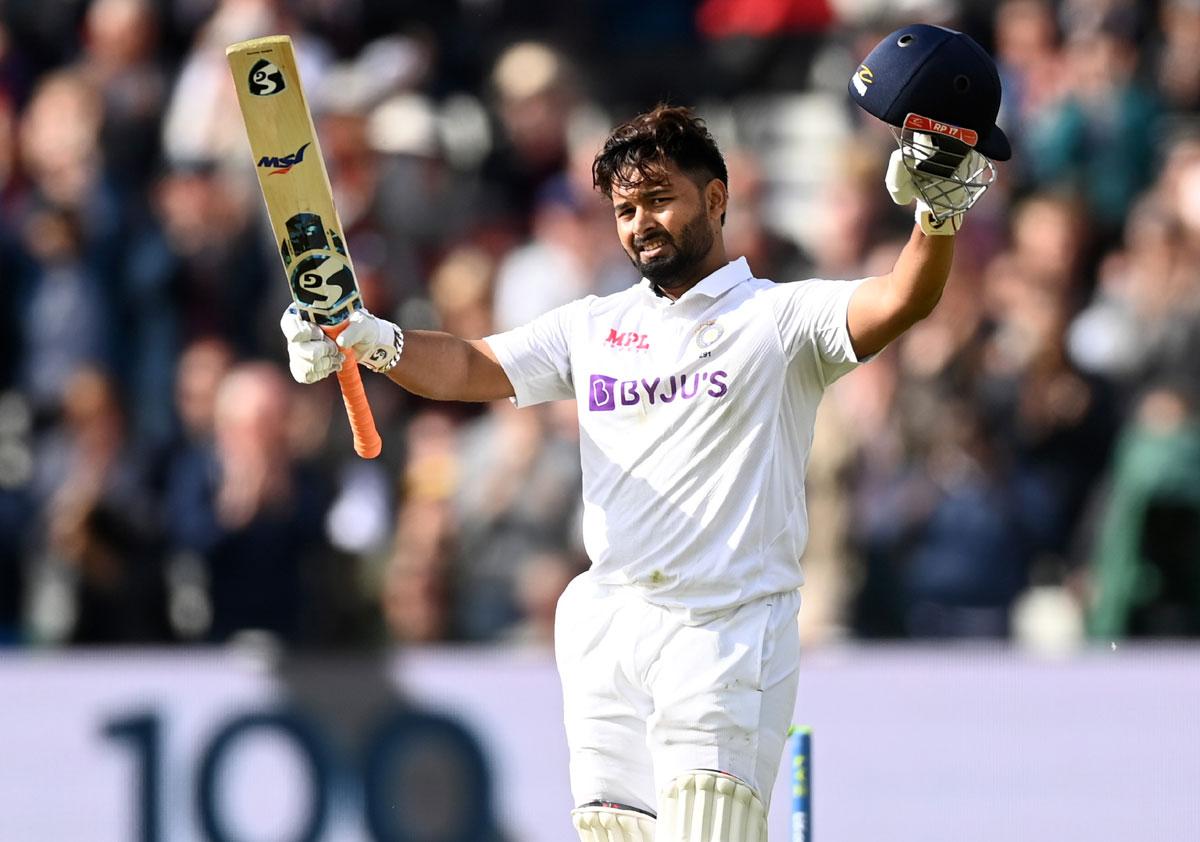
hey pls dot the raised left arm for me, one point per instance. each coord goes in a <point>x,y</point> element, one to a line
<point>884,307</point>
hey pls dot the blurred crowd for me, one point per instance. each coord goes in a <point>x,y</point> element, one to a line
<point>1025,463</point>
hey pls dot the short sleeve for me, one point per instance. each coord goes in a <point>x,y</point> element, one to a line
<point>537,356</point>
<point>812,324</point>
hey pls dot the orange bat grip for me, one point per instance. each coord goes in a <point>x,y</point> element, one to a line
<point>367,443</point>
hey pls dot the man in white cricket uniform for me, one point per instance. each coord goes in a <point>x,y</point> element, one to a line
<point>697,390</point>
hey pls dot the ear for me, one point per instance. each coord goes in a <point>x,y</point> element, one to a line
<point>716,198</point>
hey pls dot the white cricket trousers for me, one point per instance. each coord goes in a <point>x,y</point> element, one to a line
<point>647,697</point>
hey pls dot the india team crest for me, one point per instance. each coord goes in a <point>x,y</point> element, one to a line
<point>709,334</point>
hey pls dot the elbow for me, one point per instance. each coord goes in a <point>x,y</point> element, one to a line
<point>915,308</point>
<point>921,308</point>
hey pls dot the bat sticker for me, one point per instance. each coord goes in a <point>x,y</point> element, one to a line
<point>321,281</point>
<point>306,232</point>
<point>283,165</point>
<point>265,78</point>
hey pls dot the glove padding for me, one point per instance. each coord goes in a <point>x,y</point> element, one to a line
<point>313,356</point>
<point>376,342</point>
<point>901,185</point>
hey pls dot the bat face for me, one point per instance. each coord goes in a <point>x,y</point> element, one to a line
<point>295,187</point>
<point>294,182</point>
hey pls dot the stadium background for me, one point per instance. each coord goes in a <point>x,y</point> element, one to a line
<point>1007,496</point>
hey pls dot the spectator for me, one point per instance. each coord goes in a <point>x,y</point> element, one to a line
<point>1178,72</point>
<point>551,269</point>
<point>66,301</point>
<point>541,580</point>
<point>517,497</point>
<point>143,361</point>
<point>1146,564</point>
<point>535,90</point>
<point>1098,140</point>
<point>201,121</point>
<point>253,513</point>
<point>120,61</point>
<point>102,521</point>
<point>418,594</point>
<point>1029,61</point>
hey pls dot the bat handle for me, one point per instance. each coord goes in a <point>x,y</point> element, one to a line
<point>367,443</point>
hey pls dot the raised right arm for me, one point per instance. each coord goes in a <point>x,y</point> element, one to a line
<point>427,363</point>
<point>445,368</point>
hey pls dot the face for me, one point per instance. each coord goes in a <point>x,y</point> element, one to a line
<point>668,226</point>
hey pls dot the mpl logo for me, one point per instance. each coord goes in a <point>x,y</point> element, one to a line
<point>279,166</point>
<point>627,339</point>
<point>606,393</point>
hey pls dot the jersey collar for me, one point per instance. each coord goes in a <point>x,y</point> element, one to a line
<point>716,284</point>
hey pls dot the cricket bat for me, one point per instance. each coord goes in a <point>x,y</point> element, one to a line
<point>295,185</point>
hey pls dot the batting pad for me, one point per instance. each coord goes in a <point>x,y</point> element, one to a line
<point>706,806</point>
<point>612,824</point>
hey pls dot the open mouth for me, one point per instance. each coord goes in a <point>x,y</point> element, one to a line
<point>652,249</point>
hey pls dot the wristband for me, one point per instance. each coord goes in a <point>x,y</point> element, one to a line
<point>398,341</point>
<point>947,227</point>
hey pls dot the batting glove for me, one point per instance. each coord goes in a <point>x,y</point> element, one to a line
<point>903,189</point>
<point>376,342</point>
<point>312,355</point>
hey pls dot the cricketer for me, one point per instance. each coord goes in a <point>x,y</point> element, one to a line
<point>678,649</point>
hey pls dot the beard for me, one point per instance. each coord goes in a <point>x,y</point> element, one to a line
<point>677,266</point>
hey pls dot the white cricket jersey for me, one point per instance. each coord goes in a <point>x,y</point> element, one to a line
<point>696,419</point>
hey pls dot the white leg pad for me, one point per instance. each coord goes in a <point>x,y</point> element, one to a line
<point>704,806</point>
<point>612,824</point>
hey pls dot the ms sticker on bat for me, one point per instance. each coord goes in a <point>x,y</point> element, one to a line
<point>265,79</point>
<point>282,165</point>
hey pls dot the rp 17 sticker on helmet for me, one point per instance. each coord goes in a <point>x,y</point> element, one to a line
<point>924,124</point>
<point>265,78</point>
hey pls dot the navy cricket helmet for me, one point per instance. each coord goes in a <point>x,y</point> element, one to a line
<point>939,74</point>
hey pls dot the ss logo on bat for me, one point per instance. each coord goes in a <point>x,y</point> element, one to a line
<point>265,78</point>
<point>322,280</point>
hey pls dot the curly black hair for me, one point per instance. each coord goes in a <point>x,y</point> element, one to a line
<point>639,149</point>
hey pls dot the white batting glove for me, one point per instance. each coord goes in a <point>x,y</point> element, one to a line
<point>376,342</point>
<point>312,356</point>
<point>903,190</point>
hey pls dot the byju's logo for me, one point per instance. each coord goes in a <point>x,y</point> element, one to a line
<point>605,393</point>
<point>279,166</point>
<point>602,397</point>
